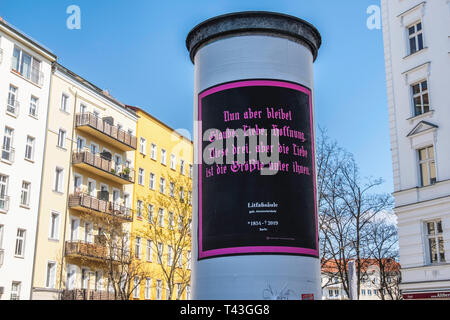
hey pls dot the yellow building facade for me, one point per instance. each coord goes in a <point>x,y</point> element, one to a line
<point>161,228</point>
<point>87,187</point>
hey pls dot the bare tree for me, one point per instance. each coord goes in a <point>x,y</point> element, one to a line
<point>169,218</point>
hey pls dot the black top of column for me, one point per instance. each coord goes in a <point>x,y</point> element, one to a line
<point>253,22</point>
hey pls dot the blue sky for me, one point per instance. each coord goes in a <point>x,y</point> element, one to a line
<point>136,50</point>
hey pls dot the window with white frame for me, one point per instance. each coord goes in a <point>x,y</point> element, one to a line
<point>161,217</point>
<point>172,189</point>
<point>149,252</point>
<point>12,106</point>
<point>15,290</point>
<point>7,147</point>
<point>29,148</point>
<point>163,156</point>
<point>150,209</point>
<point>160,252</point>
<point>158,289</point>
<point>139,208</point>
<point>188,260</point>
<point>141,176</point>
<point>50,281</point>
<point>169,256</point>
<point>34,104</point>
<point>88,232</point>
<point>98,280</point>
<point>182,167</point>
<point>435,241</point>
<point>188,292</point>
<point>20,243</point>
<point>420,96</point>
<point>142,146</point>
<point>427,166</point>
<point>363,292</point>
<point>173,162</point>
<point>59,176</point>
<point>180,223</point>
<point>3,192</point>
<point>62,138</point>
<point>26,65</point>
<point>171,220</point>
<point>137,248</point>
<point>162,185</point>
<point>64,103</point>
<point>54,226</point>
<point>25,194</point>
<point>152,181</point>
<point>84,278</point>
<point>153,151</point>
<point>181,194</point>
<point>148,288</point>
<point>415,37</point>
<point>136,287</point>
<point>2,230</point>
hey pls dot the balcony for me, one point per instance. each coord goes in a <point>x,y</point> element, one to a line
<point>83,249</point>
<point>12,108</point>
<point>86,203</point>
<point>105,130</point>
<point>85,294</point>
<point>102,166</point>
<point>4,204</point>
<point>8,155</point>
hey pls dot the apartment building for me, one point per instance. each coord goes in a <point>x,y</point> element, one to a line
<point>87,187</point>
<point>25,76</point>
<point>161,238</point>
<point>372,282</point>
<point>417,57</point>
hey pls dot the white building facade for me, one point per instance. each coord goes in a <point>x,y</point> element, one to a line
<point>417,56</point>
<point>25,69</point>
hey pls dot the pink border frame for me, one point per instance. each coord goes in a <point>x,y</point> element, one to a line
<point>256,249</point>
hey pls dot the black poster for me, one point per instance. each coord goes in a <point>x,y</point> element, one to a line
<point>268,124</point>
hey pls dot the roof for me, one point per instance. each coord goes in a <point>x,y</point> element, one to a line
<point>332,266</point>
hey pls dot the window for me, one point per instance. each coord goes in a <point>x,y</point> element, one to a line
<point>161,217</point>
<point>153,151</point>
<point>415,36</point>
<point>369,292</point>
<point>20,243</point>
<point>15,290</point>
<point>7,148</point>
<point>180,223</point>
<point>74,223</point>
<point>421,99</point>
<point>51,275</point>
<point>88,232</point>
<point>29,148</point>
<point>172,189</point>
<point>64,102</point>
<point>163,156</point>
<point>190,197</point>
<point>25,194</point>
<point>98,280</point>
<point>34,103</point>
<point>330,293</point>
<point>188,292</point>
<point>182,167</point>
<point>169,256</point>
<point>152,181</point>
<point>1,235</point>
<point>173,162</point>
<point>160,252</point>
<point>181,194</point>
<point>139,208</point>
<point>54,226</point>
<point>363,292</point>
<point>435,239</point>
<point>148,287</point>
<point>171,221</point>
<point>137,248</point>
<point>427,166</point>
<point>12,106</point>
<point>158,289</point>
<point>150,213</point>
<point>149,250</point>
<point>27,66</point>
<point>188,260</point>
<point>142,146</point>
<point>141,176</point>
<point>136,287</point>
<point>84,278</point>
<point>162,185</point>
<point>59,175</point>
<point>191,171</point>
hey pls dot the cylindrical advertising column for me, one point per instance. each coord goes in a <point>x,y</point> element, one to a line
<point>255,231</point>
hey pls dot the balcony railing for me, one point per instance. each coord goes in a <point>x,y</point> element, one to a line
<point>8,154</point>
<point>107,127</point>
<point>89,202</point>
<point>85,249</point>
<point>4,204</point>
<point>120,172</point>
<point>12,107</point>
<point>85,294</point>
